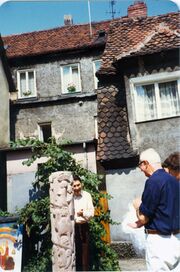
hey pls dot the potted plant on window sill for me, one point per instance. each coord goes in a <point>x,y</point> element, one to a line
<point>27,93</point>
<point>71,88</point>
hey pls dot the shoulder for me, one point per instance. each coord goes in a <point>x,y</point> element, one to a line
<point>86,194</point>
<point>161,177</point>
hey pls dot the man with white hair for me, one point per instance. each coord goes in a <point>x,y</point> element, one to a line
<point>160,213</point>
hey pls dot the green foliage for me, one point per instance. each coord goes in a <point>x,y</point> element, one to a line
<point>36,214</point>
<point>39,263</point>
<point>5,213</point>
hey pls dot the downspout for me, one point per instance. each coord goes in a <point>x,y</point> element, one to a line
<point>85,154</point>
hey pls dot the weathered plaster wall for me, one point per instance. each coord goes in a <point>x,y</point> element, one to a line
<point>20,177</point>
<point>4,108</point>
<point>71,121</point>
<point>48,75</point>
<point>162,134</point>
<point>124,185</point>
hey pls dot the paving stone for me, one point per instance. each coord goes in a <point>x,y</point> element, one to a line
<point>132,264</point>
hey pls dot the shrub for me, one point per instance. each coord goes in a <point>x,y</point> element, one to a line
<point>36,214</point>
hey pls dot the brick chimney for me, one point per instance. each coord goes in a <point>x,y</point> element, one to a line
<point>68,20</point>
<point>138,9</point>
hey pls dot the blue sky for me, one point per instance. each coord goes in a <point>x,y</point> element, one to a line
<point>25,16</point>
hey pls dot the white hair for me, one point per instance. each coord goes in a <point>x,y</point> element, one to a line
<point>151,156</point>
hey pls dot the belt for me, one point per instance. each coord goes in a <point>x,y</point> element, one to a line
<point>150,231</point>
<point>81,223</point>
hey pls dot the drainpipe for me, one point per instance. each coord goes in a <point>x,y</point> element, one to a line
<point>85,154</point>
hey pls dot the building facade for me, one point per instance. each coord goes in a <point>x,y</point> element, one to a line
<point>138,103</point>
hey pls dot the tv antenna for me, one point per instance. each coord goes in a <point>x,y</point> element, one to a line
<point>112,7</point>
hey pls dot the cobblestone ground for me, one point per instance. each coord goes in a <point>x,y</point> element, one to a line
<point>132,264</point>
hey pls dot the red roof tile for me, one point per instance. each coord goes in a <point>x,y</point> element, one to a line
<point>54,40</point>
<point>114,140</point>
<point>128,37</point>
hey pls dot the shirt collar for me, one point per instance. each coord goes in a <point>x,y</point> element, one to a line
<point>81,194</point>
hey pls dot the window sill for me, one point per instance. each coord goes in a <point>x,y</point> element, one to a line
<point>155,120</point>
<point>27,98</point>
<point>72,93</point>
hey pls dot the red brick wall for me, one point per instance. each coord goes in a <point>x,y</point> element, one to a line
<point>138,9</point>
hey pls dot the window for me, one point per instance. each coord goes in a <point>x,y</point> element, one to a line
<point>26,81</point>
<point>96,66</point>
<point>70,76</point>
<point>156,96</point>
<point>44,132</point>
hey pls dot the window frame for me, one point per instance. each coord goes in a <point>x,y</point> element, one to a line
<point>154,79</point>
<point>26,71</point>
<point>94,71</point>
<point>40,131</point>
<point>62,78</point>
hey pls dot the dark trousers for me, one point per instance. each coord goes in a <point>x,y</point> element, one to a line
<point>82,246</point>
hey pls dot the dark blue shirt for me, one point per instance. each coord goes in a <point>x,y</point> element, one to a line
<point>160,202</point>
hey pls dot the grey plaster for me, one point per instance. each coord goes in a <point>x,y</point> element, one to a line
<point>70,121</point>
<point>124,185</point>
<point>162,135</point>
<point>4,108</point>
<point>48,75</point>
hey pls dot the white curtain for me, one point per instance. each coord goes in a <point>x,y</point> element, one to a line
<point>66,78</point>
<point>22,83</point>
<point>75,77</point>
<point>146,103</point>
<point>70,78</point>
<point>170,102</point>
<point>31,82</point>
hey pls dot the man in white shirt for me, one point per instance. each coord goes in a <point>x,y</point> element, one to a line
<point>84,211</point>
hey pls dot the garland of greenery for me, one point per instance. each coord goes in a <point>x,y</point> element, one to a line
<point>36,215</point>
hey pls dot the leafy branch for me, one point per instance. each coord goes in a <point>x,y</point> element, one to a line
<point>36,214</point>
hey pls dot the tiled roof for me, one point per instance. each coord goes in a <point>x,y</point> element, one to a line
<point>114,140</point>
<point>54,40</point>
<point>127,38</point>
<point>130,37</point>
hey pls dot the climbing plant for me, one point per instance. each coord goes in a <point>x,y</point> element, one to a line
<point>36,215</point>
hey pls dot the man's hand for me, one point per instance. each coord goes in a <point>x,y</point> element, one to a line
<point>80,213</point>
<point>135,225</point>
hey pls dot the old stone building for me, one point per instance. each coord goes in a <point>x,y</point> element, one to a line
<point>54,74</point>
<point>138,102</point>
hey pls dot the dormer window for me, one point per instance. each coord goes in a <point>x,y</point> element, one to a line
<point>70,78</point>
<point>26,83</point>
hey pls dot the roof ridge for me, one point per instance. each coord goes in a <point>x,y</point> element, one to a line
<point>126,19</point>
<point>122,19</point>
<point>159,29</point>
<point>57,28</point>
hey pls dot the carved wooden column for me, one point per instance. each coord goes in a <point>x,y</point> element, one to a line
<point>62,221</point>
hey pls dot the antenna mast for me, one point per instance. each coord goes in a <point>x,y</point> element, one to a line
<point>89,12</point>
<point>113,11</point>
